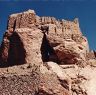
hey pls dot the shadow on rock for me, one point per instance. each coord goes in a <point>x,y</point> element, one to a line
<point>16,52</point>
<point>47,52</point>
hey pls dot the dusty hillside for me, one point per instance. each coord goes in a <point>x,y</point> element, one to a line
<point>45,56</point>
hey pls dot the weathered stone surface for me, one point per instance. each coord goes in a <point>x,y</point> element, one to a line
<point>32,40</point>
<point>91,55</point>
<point>67,50</point>
<point>51,48</point>
<point>4,48</point>
<point>49,83</point>
<point>20,46</point>
<point>87,80</point>
<point>19,80</point>
<point>22,20</point>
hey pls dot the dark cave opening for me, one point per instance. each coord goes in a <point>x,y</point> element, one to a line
<point>16,53</point>
<point>47,51</point>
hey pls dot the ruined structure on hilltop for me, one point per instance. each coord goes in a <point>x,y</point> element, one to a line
<point>24,34</point>
<point>29,19</point>
<point>45,56</point>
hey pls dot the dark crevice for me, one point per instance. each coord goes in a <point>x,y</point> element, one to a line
<point>14,26</point>
<point>16,52</point>
<point>2,60</point>
<point>47,52</point>
<point>64,83</point>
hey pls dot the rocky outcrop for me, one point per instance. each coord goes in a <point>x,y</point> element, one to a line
<point>22,44</point>
<point>63,39</point>
<point>68,51</point>
<point>91,55</point>
<point>49,83</point>
<point>44,56</point>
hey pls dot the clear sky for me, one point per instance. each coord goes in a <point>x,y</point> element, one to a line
<point>85,10</point>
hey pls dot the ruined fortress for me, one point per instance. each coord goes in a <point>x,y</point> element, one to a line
<point>44,56</point>
<point>29,19</point>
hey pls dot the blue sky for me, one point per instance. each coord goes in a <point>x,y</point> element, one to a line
<point>85,10</point>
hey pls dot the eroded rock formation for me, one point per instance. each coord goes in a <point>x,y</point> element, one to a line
<point>59,40</point>
<point>49,53</point>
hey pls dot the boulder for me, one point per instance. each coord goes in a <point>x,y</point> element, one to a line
<point>68,51</point>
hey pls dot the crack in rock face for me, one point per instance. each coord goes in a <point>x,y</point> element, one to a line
<point>45,56</point>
